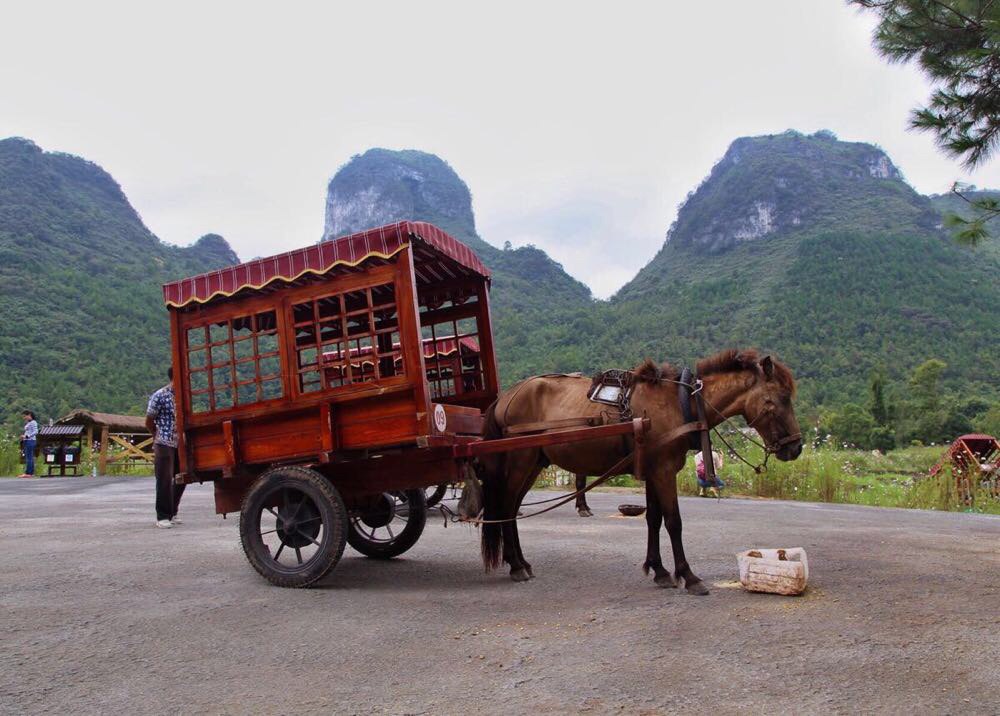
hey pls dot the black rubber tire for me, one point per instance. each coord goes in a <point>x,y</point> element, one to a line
<point>334,522</point>
<point>416,501</point>
<point>435,497</point>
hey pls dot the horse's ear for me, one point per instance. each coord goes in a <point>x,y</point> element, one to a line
<point>768,366</point>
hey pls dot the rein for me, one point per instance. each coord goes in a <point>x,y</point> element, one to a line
<point>611,472</point>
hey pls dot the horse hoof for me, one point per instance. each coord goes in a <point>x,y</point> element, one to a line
<point>585,513</point>
<point>697,588</point>
<point>520,575</point>
<point>665,581</point>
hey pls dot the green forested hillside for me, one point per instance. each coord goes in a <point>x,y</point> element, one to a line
<point>805,246</point>
<point>80,275</point>
<point>848,273</point>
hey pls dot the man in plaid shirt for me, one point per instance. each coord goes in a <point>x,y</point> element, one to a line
<point>160,421</point>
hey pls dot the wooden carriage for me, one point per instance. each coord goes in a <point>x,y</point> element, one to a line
<point>975,461</point>
<point>322,389</point>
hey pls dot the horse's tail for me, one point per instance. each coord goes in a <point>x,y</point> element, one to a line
<point>494,475</point>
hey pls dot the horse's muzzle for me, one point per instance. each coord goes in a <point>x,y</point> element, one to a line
<point>789,451</point>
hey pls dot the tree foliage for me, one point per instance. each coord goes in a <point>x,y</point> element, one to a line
<point>957,45</point>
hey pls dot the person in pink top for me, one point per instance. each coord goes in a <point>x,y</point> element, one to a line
<point>704,481</point>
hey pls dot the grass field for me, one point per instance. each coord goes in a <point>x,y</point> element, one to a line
<point>824,473</point>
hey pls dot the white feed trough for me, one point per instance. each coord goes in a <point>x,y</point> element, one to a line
<point>777,571</point>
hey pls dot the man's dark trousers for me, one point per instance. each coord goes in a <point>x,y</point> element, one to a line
<point>168,495</point>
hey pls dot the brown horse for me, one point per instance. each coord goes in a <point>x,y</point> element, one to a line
<point>735,383</point>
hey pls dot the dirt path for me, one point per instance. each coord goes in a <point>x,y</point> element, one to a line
<point>103,612</point>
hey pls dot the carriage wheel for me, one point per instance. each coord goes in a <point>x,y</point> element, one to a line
<point>391,526</point>
<point>435,493</point>
<point>293,526</point>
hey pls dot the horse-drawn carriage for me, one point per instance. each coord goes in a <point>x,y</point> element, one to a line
<point>322,390</point>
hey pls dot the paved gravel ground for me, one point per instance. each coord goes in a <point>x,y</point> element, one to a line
<point>101,612</point>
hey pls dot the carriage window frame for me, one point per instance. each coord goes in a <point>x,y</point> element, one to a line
<point>444,382</point>
<point>345,338</point>
<point>224,349</point>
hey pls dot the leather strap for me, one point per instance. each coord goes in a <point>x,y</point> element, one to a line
<point>684,398</point>
<point>706,440</point>
<point>685,429</point>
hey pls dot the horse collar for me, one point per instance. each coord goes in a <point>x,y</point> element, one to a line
<point>685,390</point>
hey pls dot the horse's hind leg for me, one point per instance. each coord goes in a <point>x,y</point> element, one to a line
<point>515,536</point>
<point>654,519</point>
<point>582,508</point>
<point>512,553</point>
<point>521,476</point>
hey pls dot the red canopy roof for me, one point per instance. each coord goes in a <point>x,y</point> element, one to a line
<point>437,257</point>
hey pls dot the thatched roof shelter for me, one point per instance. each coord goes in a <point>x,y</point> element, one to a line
<point>115,423</point>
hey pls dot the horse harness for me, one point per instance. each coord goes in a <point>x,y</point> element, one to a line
<point>614,387</point>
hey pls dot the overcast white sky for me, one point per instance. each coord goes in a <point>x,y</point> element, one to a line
<point>579,127</point>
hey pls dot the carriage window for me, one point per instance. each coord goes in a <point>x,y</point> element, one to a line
<point>451,354</point>
<point>234,362</point>
<point>347,338</point>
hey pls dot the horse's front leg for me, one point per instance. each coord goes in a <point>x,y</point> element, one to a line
<point>654,518</point>
<point>665,484</point>
<point>582,508</point>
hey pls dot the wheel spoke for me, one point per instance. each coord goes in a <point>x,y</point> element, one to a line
<point>273,513</point>
<point>278,553</point>
<point>267,532</point>
<point>392,535</point>
<point>298,555</point>
<point>308,537</point>
<point>297,508</point>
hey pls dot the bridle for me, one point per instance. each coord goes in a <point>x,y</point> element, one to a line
<point>691,387</point>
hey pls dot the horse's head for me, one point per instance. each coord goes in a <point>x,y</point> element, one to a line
<point>768,409</point>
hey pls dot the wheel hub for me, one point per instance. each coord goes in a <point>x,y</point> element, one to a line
<point>381,512</point>
<point>298,526</point>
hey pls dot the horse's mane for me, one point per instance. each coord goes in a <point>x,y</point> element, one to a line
<point>649,372</point>
<point>726,361</point>
<point>732,359</point>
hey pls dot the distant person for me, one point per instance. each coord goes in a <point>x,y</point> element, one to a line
<point>29,439</point>
<point>160,421</point>
<point>704,481</point>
